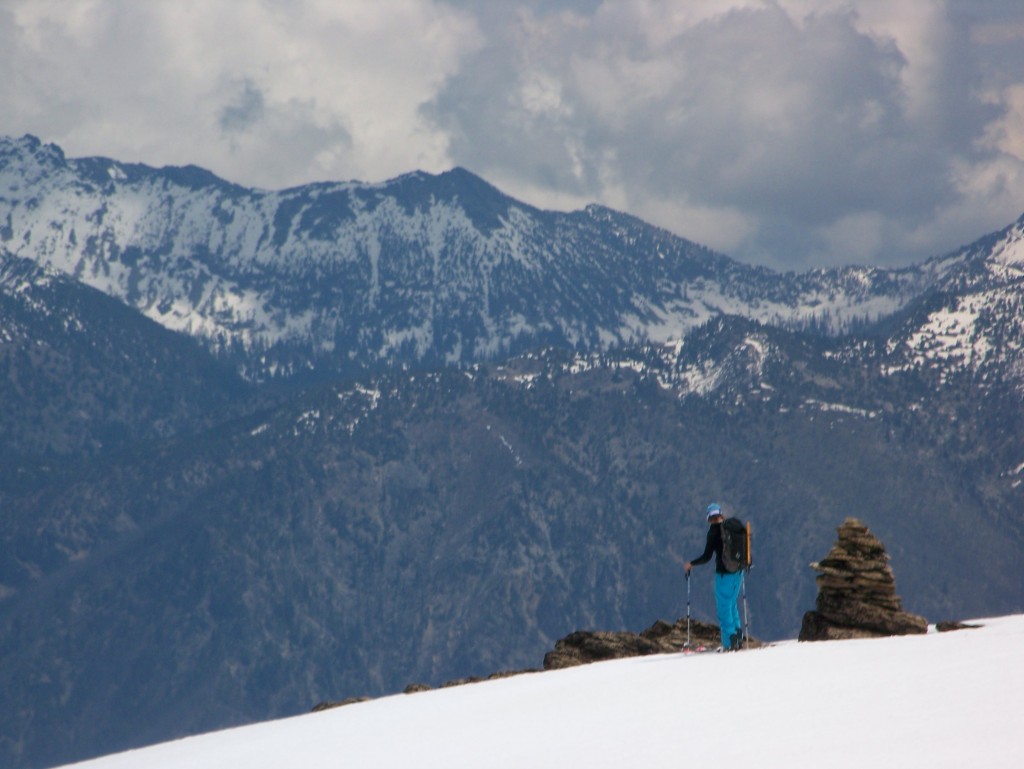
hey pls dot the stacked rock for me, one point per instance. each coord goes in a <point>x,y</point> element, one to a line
<point>857,592</point>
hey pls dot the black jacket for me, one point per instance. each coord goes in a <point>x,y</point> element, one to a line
<point>713,547</point>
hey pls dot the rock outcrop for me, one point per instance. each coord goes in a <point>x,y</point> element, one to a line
<point>857,592</point>
<point>586,646</point>
<point>948,626</point>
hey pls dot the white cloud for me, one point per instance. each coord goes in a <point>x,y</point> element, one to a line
<point>787,132</point>
<point>832,130</point>
<point>269,93</point>
<point>1007,133</point>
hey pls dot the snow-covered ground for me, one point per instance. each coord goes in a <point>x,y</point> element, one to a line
<point>939,700</point>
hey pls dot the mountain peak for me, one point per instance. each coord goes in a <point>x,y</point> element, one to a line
<point>28,160</point>
<point>29,144</point>
<point>484,204</point>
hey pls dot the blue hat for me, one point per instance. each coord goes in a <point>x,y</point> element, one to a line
<point>714,509</point>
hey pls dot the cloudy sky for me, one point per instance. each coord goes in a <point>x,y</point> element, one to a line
<point>792,133</point>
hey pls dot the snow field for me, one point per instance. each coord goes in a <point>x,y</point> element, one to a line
<point>938,700</point>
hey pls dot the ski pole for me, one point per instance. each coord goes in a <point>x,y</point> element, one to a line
<point>746,621</point>
<point>746,573</point>
<point>687,611</point>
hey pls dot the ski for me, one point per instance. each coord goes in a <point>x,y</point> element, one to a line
<point>688,650</point>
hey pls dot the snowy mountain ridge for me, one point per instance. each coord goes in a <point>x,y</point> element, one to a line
<point>976,323</point>
<point>345,276</point>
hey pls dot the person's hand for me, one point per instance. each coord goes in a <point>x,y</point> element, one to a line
<point>686,567</point>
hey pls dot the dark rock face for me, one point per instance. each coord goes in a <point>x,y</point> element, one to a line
<point>857,592</point>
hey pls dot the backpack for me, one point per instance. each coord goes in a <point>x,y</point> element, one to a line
<point>735,545</point>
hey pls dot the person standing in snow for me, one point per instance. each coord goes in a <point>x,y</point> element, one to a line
<point>727,586</point>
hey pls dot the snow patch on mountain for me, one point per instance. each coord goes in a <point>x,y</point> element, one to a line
<point>840,408</point>
<point>951,335</point>
<point>1007,256</point>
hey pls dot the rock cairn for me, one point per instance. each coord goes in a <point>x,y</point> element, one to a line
<point>857,592</point>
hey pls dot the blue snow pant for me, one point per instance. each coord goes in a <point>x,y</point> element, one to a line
<point>727,593</point>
